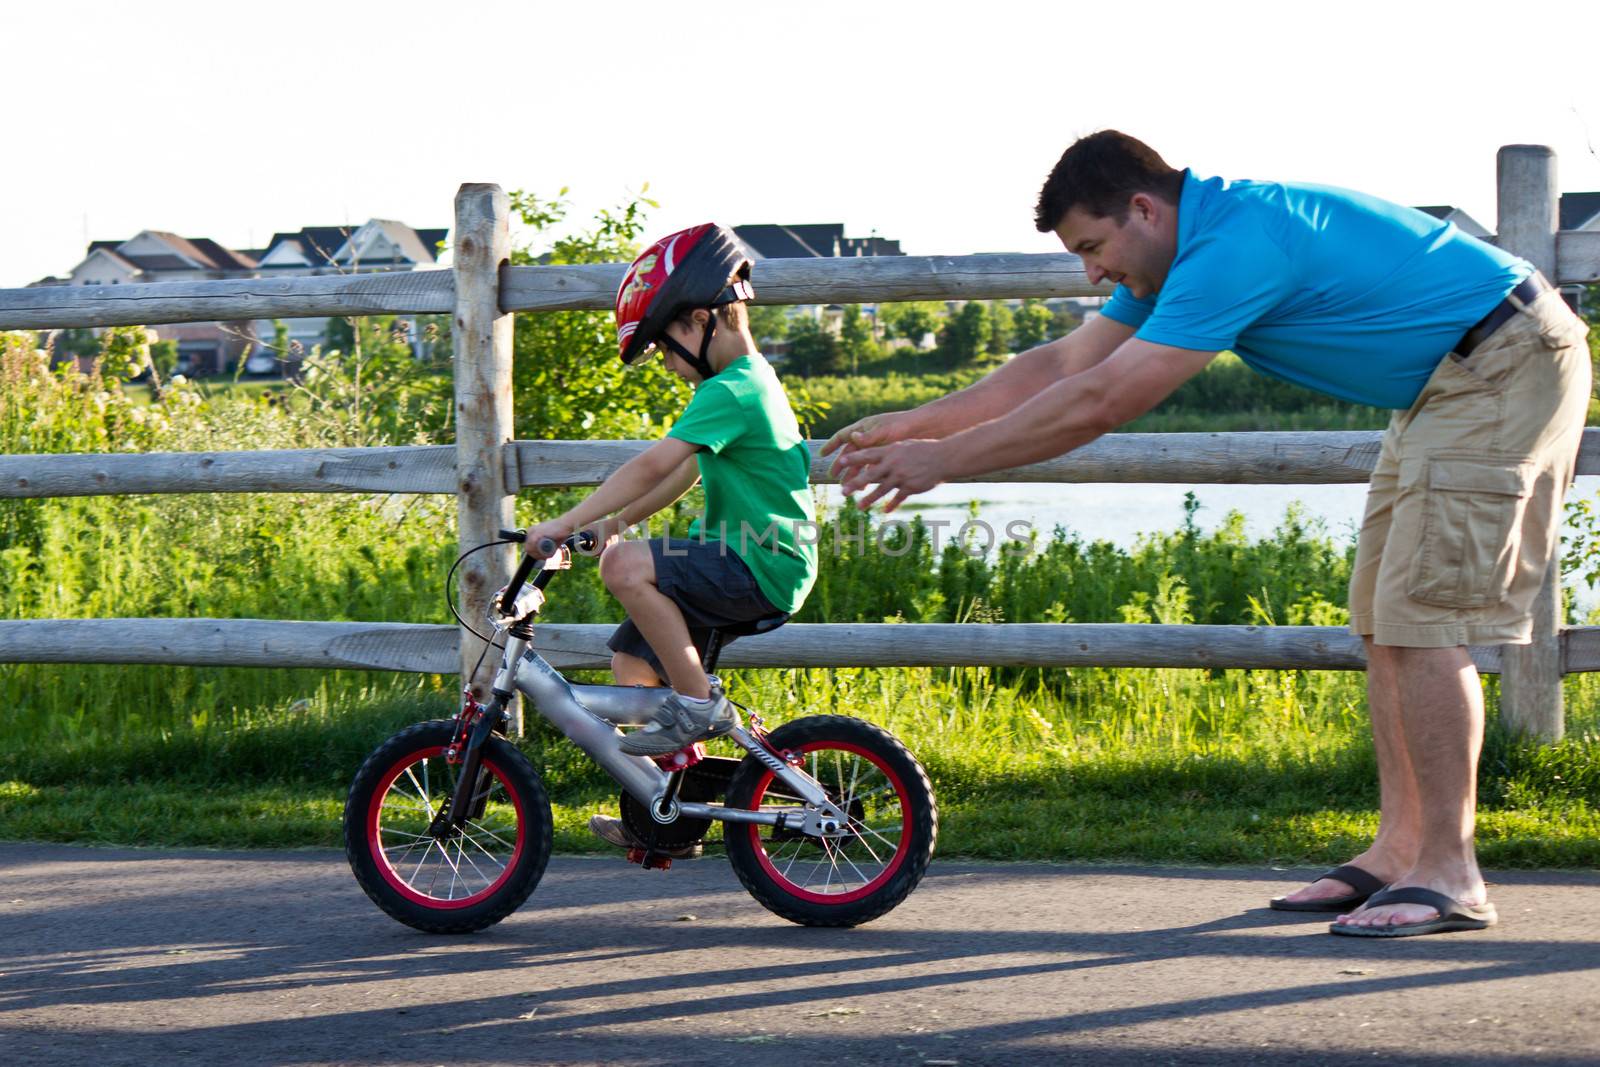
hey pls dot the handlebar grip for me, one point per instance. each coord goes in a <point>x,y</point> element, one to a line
<point>547,546</point>
<point>518,536</point>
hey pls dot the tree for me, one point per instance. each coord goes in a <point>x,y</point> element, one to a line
<point>964,335</point>
<point>999,340</point>
<point>812,348</point>
<point>769,323</point>
<point>1031,324</point>
<point>856,342</point>
<point>567,381</point>
<point>912,320</point>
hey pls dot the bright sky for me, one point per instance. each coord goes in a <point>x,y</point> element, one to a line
<point>930,122</point>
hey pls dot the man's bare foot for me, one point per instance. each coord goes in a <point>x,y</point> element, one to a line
<point>1331,888</point>
<point>1465,887</point>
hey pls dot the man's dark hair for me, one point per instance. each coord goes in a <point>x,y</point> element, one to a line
<point>1100,173</point>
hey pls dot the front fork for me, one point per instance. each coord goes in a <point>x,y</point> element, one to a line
<point>474,726</point>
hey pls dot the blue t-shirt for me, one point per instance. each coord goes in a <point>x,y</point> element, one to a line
<point>1331,289</point>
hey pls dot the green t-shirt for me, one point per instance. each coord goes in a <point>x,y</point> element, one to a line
<point>756,470</point>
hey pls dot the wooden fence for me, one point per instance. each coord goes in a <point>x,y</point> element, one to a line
<point>486,468</point>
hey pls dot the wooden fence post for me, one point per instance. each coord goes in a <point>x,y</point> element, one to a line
<point>1530,684</point>
<point>482,340</point>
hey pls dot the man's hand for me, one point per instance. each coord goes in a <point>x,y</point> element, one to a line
<point>873,431</point>
<point>903,468</point>
<point>551,530</point>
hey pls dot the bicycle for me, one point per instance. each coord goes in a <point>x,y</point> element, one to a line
<point>828,820</point>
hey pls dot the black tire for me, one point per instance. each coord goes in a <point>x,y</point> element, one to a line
<point>871,865</point>
<point>461,884</point>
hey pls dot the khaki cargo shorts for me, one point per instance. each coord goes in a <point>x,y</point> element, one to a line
<point>1464,512</point>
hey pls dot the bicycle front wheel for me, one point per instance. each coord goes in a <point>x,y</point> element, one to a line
<point>456,881</point>
<point>869,865</point>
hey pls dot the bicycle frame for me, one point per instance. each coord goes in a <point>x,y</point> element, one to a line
<point>589,715</point>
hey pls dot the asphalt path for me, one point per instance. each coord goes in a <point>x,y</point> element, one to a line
<point>112,956</point>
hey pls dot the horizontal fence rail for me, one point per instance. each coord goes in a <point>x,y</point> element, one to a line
<point>868,279</point>
<point>50,307</point>
<point>542,288</point>
<point>428,649</point>
<point>1319,458</point>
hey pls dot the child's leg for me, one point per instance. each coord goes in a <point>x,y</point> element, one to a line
<point>629,572</point>
<point>631,670</point>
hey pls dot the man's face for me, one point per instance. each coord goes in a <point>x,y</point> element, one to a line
<point>1136,253</point>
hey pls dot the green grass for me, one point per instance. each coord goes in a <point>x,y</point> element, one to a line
<point>1165,766</point>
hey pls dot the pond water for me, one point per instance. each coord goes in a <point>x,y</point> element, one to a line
<point>1120,512</point>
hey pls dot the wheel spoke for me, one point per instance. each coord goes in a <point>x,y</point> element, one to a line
<point>853,867</point>
<point>421,787</point>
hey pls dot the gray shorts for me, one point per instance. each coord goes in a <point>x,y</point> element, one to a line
<point>711,586</point>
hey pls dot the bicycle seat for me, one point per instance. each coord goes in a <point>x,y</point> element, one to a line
<point>752,627</point>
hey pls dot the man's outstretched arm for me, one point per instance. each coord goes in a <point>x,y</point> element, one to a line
<point>1066,415</point>
<point>1006,388</point>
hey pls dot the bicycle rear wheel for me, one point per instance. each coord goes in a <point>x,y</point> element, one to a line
<point>864,869</point>
<point>459,881</point>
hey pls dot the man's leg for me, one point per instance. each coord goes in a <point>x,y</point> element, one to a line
<point>1441,720</point>
<point>1394,850</point>
<point>629,572</point>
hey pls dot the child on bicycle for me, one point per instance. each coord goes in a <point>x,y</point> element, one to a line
<point>748,557</point>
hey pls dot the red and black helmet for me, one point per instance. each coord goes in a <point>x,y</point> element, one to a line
<point>704,266</point>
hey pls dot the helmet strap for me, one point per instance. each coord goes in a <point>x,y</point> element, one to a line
<point>701,363</point>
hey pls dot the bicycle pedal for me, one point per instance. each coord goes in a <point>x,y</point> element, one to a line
<point>650,861</point>
<point>682,759</point>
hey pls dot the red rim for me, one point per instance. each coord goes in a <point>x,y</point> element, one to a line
<point>387,869</point>
<point>901,848</point>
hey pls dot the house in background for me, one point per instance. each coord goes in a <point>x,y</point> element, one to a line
<point>811,240</point>
<point>159,256</point>
<point>1580,211</point>
<point>376,246</point>
<point>215,347</point>
<point>1464,222</point>
<point>820,240</point>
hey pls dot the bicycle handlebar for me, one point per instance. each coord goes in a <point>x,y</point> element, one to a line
<point>583,541</point>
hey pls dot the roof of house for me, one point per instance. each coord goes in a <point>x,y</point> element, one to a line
<point>1578,209</point>
<point>1465,222</point>
<point>189,253</point>
<point>810,240</point>
<point>433,239</point>
<point>407,240</point>
<point>318,244</point>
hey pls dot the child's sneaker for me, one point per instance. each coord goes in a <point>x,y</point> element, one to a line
<point>615,832</point>
<point>680,722</point>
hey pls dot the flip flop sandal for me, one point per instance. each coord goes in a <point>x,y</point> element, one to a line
<point>1453,915</point>
<point>1362,882</point>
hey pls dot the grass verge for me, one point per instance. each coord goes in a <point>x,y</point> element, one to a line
<point>1236,767</point>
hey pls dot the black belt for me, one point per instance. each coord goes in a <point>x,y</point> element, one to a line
<point>1526,292</point>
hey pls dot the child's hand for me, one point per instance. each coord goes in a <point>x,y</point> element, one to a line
<point>606,532</point>
<point>552,530</point>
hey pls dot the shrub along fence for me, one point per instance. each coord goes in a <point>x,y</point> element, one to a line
<point>486,468</point>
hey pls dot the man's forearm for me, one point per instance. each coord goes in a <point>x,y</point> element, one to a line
<point>1076,410</point>
<point>1004,389</point>
<point>1021,379</point>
